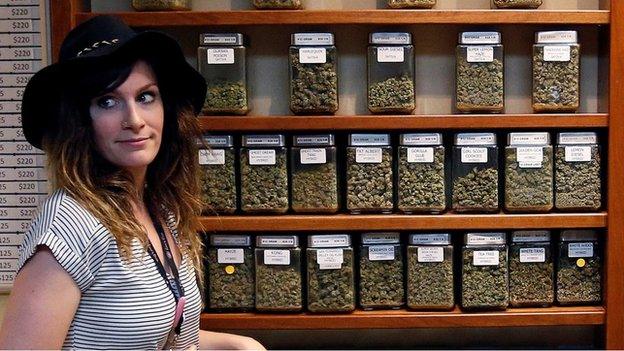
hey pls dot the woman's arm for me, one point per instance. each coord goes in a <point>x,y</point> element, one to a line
<point>42,305</point>
<point>222,341</point>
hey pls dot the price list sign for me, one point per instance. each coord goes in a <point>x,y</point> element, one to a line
<point>23,183</point>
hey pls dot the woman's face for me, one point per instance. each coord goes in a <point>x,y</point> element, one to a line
<point>128,121</point>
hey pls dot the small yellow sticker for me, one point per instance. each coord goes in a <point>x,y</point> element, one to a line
<point>229,269</point>
<point>580,262</point>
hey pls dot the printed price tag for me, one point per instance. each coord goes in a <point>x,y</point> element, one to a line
<point>22,213</point>
<point>557,53</point>
<point>390,54</point>
<point>368,155</point>
<point>7,278</point>
<point>480,54</point>
<point>20,39</point>
<point>20,54</point>
<point>312,55</point>
<point>529,157</point>
<point>8,265</point>
<point>419,154</point>
<point>30,66</point>
<point>578,153</point>
<point>9,252</point>
<point>22,161</point>
<point>14,80</point>
<point>381,253</point>
<point>20,26</point>
<point>277,257</point>
<point>23,188</point>
<point>474,155</point>
<point>329,258</point>
<point>212,157</point>
<point>19,2</point>
<point>534,254</point>
<point>16,147</point>
<point>262,157</point>
<point>11,239</point>
<point>11,93</point>
<point>10,106</point>
<point>430,254</point>
<point>21,200</point>
<point>15,12</point>
<point>581,250</point>
<point>22,174</point>
<point>10,121</point>
<point>12,134</point>
<point>221,56</point>
<point>485,258</point>
<point>313,156</point>
<point>230,256</point>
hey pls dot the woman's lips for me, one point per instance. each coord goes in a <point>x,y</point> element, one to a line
<point>135,142</point>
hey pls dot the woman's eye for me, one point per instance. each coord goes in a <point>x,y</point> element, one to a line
<point>147,97</point>
<point>106,102</point>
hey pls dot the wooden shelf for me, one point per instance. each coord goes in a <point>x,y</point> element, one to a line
<point>346,17</point>
<point>449,221</point>
<point>402,122</point>
<point>400,319</point>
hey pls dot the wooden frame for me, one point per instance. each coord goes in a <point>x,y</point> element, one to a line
<point>67,13</point>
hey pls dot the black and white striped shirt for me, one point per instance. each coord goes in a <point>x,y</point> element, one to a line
<point>123,305</point>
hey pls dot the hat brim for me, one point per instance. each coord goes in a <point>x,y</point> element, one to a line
<point>42,95</point>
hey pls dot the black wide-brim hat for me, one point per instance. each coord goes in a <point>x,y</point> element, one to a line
<point>87,47</point>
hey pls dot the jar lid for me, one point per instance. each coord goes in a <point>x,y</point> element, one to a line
<point>522,138</point>
<point>263,140</point>
<point>334,240</point>
<point>369,139</point>
<point>277,241</point>
<point>218,140</point>
<point>475,139</point>
<point>313,39</point>
<point>579,235</point>
<point>421,139</point>
<point>230,240</point>
<point>577,138</point>
<point>485,238</point>
<point>392,38</point>
<point>530,236</point>
<point>480,38</point>
<point>381,238</point>
<point>314,140</point>
<point>557,37</point>
<point>221,39</point>
<point>430,239</point>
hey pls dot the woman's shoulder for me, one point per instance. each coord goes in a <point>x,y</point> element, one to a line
<point>60,209</point>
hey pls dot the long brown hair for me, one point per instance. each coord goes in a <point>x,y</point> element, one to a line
<point>107,191</point>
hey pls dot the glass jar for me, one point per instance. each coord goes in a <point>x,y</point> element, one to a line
<point>430,272</point>
<point>278,4</point>
<point>331,286</point>
<point>161,5</point>
<point>516,4</point>
<point>391,73</point>
<point>313,174</point>
<point>556,72</point>
<point>278,274</point>
<point>313,73</point>
<point>218,175</point>
<point>528,172</point>
<point>480,85</point>
<point>414,4</point>
<point>475,172</point>
<point>369,173</point>
<point>579,270</point>
<point>381,271</point>
<point>578,185</point>
<point>264,174</point>
<point>531,269</point>
<point>221,60</point>
<point>484,271</point>
<point>230,267</point>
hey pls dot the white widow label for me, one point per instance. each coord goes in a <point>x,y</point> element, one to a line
<point>230,256</point>
<point>329,258</point>
<point>430,254</point>
<point>368,155</point>
<point>390,54</point>
<point>419,154</point>
<point>486,258</point>
<point>381,253</point>
<point>474,155</point>
<point>220,56</point>
<point>581,250</point>
<point>480,54</point>
<point>533,254</point>
<point>529,157</point>
<point>557,53</point>
<point>312,55</point>
<point>262,157</point>
<point>313,156</point>
<point>578,153</point>
<point>277,257</point>
<point>211,157</point>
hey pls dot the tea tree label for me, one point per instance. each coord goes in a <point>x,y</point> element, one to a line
<point>486,258</point>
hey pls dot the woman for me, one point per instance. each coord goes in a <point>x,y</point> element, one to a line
<point>112,259</point>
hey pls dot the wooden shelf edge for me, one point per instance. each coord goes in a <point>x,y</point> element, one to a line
<point>372,16</point>
<point>448,221</point>
<point>401,319</point>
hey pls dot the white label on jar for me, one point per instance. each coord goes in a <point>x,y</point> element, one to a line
<point>480,54</point>
<point>230,256</point>
<point>220,56</point>
<point>368,155</point>
<point>474,155</point>
<point>557,53</point>
<point>312,55</point>
<point>381,253</point>
<point>430,254</point>
<point>486,238</point>
<point>530,157</point>
<point>556,37</point>
<point>277,241</point>
<point>580,250</point>
<point>533,254</point>
<point>262,157</point>
<point>313,156</point>
<point>329,258</point>
<point>577,138</point>
<point>277,257</point>
<point>313,140</point>
<point>419,154</point>
<point>390,54</point>
<point>486,258</point>
<point>211,157</point>
<point>578,153</point>
<point>475,139</point>
<point>330,240</point>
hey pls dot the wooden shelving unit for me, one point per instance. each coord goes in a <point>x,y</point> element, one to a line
<point>68,13</point>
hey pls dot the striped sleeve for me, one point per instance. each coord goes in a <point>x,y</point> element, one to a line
<point>77,240</point>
